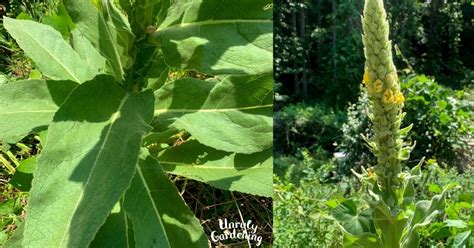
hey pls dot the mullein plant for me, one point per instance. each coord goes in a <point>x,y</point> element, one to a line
<point>393,217</point>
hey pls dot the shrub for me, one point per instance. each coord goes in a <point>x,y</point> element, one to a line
<point>302,209</point>
<point>293,168</point>
<point>309,126</point>
<point>442,125</point>
<point>452,228</point>
<point>352,145</point>
<point>301,217</point>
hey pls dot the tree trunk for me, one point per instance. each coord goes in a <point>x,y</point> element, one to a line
<point>334,63</point>
<point>304,79</point>
<point>295,63</point>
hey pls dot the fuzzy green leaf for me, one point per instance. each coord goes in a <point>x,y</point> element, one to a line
<point>92,144</point>
<point>46,47</point>
<point>115,231</point>
<point>87,51</point>
<point>404,131</point>
<point>233,114</point>
<point>353,221</point>
<point>425,212</point>
<point>159,215</point>
<point>391,225</point>
<point>29,106</point>
<point>363,240</point>
<point>218,37</point>
<point>250,173</point>
<point>102,33</point>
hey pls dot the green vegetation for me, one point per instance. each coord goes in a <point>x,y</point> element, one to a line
<point>322,110</point>
<point>302,208</point>
<point>319,50</point>
<point>112,101</point>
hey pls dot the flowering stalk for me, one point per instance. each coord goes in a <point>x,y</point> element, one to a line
<point>395,216</point>
<point>380,78</point>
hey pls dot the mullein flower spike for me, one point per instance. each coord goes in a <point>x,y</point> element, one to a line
<point>381,79</point>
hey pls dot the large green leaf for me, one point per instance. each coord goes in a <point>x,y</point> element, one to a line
<point>354,221</point>
<point>159,215</point>
<point>46,47</point>
<point>102,33</point>
<point>87,51</point>
<point>115,231</point>
<point>28,106</point>
<point>363,240</point>
<point>390,223</point>
<point>125,37</point>
<point>87,163</point>
<point>248,173</point>
<point>218,37</point>
<point>425,212</point>
<point>233,114</point>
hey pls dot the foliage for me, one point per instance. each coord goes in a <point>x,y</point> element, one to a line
<point>14,63</point>
<point>442,125</point>
<point>355,153</point>
<point>453,228</point>
<point>293,168</point>
<point>314,199</point>
<point>306,125</point>
<point>432,36</point>
<point>287,50</point>
<point>338,54</point>
<point>103,98</point>
<point>35,9</point>
<point>301,217</point>
<point>320,50</point>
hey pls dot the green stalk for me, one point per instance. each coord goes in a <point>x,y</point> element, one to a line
<point>383,88</point>
<point>391,191</point>
<point>7,165</point>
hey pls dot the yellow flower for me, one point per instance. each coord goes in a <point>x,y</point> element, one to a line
<point>378,86</point>
<point>399,99</point>
<point>388,96</point>
<point>366,77</point>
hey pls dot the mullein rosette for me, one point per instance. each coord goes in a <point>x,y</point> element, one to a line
<point>393,218</point>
